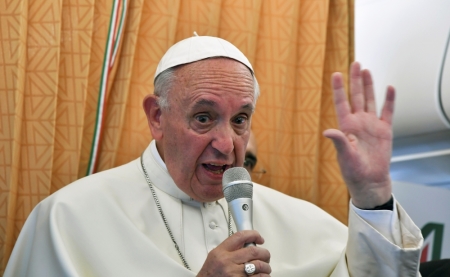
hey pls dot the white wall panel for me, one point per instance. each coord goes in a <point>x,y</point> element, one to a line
<point>403,43</point>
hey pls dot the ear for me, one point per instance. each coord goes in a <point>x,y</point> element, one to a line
<point>153,112</point>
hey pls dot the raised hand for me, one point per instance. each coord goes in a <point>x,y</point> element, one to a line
<point>229,258</point>
<point>363,141</point>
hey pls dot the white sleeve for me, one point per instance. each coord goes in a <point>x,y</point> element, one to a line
<point>384,221</point>
<point>383,243</point>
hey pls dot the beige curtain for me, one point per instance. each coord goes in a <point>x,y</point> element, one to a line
<point>73,74</point>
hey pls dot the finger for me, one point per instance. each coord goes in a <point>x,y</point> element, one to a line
<point>388,107</point>
<point>356,88</point>
<point>340,97</point>
<point>369,94</point>
<point>339,139</point>
<point>260,267</point>
<point>239,239</point>
<point>251,253</point>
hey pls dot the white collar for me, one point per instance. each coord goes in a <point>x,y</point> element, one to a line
<point>156,155</point>
<point>159,175</point>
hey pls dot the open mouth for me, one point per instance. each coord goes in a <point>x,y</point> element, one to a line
<point>216,168</point>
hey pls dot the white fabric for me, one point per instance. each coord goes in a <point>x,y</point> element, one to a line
<point>156,155</point>
<point>384,221</point>
<point>197,48</point>
<point>107,224</point>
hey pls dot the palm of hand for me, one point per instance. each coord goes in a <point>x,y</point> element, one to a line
<point>367,159</point>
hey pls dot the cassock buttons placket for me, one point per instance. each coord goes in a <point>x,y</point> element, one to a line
<point>214,224</point>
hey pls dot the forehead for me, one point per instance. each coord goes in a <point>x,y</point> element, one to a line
<point>221,77</point>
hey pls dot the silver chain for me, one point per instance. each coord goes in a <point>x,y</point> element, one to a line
<point>158,205</point>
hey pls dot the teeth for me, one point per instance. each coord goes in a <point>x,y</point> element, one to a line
<point>220,171</point>
<point>222,168</point>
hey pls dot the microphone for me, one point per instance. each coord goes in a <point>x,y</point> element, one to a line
<point>237,188</point>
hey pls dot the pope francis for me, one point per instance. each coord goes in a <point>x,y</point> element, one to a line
<point>164,214</point>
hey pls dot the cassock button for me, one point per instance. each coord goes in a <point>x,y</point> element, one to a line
<point>212,225</point>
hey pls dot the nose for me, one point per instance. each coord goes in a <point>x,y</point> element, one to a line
<point>223,139</point>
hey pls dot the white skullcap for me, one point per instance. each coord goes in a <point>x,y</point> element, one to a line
<point>198,48</point>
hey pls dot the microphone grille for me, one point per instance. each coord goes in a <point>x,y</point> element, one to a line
<point>235,174</point>
<point>242,187</point>
<point>238,191</point>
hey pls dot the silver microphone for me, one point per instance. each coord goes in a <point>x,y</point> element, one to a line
<point>237,188</point>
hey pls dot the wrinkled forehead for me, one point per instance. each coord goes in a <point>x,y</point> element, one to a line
<point>199,48</point>
<point>217,76</point>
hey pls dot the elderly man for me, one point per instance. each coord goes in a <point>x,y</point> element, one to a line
<point>164,214</point>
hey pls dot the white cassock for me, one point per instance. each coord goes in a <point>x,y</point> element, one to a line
<point>107,224</point>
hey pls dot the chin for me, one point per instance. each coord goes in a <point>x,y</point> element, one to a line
<point>211,196</point>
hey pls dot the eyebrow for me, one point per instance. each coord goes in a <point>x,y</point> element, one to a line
<point>204,102</point>
<point>249,107</point>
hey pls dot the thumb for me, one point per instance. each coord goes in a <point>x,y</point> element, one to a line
<point>339,139</point>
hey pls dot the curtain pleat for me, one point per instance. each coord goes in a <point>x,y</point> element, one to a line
<point>39,107</point>
<point>57,68</point>
<point>75,53</point>
<point>241,27</point>
<point>13,38</point>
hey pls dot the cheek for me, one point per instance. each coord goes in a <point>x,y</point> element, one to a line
<point>194,146</point>
<point>173,143</point>
<point>184,146</point>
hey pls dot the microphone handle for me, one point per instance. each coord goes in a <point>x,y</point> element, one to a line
<point>242,212</point>
<point>249,244</point>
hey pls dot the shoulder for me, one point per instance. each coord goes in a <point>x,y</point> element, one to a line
<point>109,183</point>
<point>111,197</point>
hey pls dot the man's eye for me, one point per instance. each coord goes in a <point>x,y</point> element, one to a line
<point>202,118</point>
<point>240,120</point>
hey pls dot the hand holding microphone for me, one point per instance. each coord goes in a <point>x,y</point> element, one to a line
<point>235,260</point>
<point>238,191</point>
